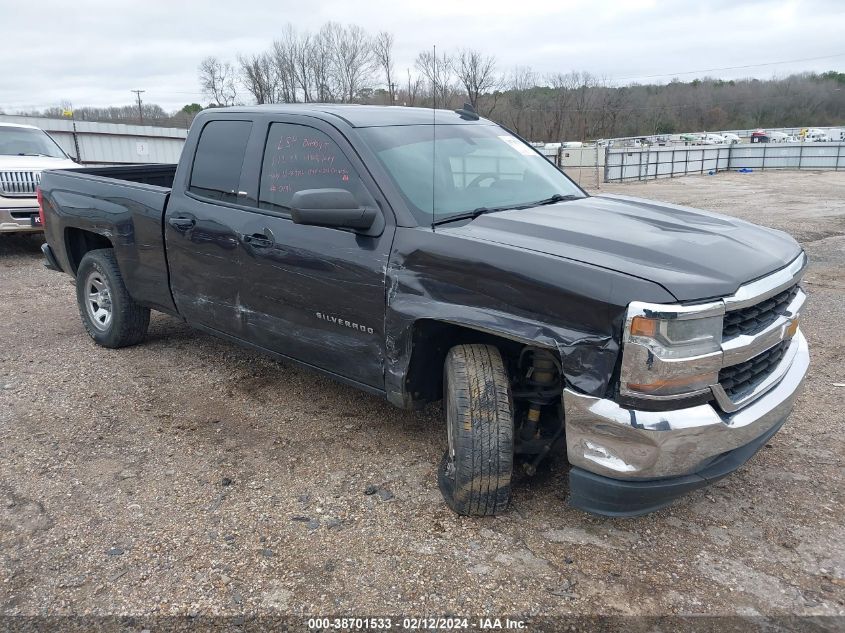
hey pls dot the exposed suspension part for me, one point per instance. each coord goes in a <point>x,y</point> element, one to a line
<point>542,378</point>
<point>539,387</point>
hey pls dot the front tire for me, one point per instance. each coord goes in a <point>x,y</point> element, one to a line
<point>109,314</point>
<point>475,474</point>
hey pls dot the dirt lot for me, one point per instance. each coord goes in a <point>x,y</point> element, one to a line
<point>187,476</point>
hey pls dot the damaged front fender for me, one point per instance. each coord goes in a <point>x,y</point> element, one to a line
<point>532,298</point>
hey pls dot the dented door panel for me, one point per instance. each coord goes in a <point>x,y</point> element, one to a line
<point>317,294</point>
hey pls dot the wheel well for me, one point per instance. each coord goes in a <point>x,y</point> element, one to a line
<point>431,341</point>
<point>79,242</point>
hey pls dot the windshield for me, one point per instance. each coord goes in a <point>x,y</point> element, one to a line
<point>24,141</point>
<point>472,167</point>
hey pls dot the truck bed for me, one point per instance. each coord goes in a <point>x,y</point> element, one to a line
<point>159,175</point>
<point>119,207</point>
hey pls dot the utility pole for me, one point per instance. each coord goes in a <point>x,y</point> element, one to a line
<point>67,110</point>
<point>140,109</point>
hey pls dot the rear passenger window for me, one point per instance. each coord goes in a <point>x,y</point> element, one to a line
<point>298,157</point>
<point>220,156</point>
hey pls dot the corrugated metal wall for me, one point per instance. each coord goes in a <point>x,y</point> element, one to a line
<point>626,164</point>
<point>583,164</point>
<point>110,143</point>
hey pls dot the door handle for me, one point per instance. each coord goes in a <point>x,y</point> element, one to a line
<point>182,223</point>
<point>260,240</point>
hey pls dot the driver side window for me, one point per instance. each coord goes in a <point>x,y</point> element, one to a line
<point>298,157</point>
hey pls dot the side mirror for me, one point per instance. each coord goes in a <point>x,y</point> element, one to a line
<point>330,207</point>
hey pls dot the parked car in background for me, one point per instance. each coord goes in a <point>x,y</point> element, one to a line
<point>25,151</point>
<point>778,137</point>
<point>731,138</point>
<point>712,139</point>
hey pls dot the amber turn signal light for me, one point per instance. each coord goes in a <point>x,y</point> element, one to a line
<point>641,326</point>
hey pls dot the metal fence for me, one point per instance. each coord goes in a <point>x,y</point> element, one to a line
<point>585,165</point>
<point>629,164</point>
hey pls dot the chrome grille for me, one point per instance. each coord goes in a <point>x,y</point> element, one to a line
<point>19,183</point>
<point>738,380</point>
<point>754,318</point>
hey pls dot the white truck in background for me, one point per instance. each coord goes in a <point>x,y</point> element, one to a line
<point>815,135</point>
<point>709,138</point>
<point>25,151</point>
<point>835,135</point>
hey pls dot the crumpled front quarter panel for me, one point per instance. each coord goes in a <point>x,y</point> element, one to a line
<point>534,298</point>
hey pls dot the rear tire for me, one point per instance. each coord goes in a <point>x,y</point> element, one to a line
<point>109,314</point>
<point>475,474</point>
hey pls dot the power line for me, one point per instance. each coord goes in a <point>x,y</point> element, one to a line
<point>710,70</point>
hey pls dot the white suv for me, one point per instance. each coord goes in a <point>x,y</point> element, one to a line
<point>25,151</point>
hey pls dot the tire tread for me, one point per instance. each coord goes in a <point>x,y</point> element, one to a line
<point>483,462</point>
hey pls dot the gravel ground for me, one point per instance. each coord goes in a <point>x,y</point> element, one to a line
<point>187,476</point>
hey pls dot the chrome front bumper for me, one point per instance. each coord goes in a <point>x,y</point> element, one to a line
<point>606,439</point>
<point>17,219</point>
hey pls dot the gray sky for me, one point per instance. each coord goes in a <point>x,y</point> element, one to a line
<point>94,53</point>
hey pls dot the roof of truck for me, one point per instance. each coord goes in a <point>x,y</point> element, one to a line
<point>363,115</point>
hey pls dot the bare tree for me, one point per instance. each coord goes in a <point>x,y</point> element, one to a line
<point>258,76</point>
<point>319,66</point>
<point>351,56</point>
<point>415,87</point>
<point>343,63</point>
<point>584,97</point>
<point>438,72</point>
<point>477,74</point>
<point>563,86</point>
<point>301,53</point>
<point>520,81</point>
<point>284,54</point>
<point>217,80</point>
<point>383,51</point>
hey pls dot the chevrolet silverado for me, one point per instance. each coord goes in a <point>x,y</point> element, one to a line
<point>433,255</point>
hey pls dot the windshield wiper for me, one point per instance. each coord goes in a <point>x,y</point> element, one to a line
<point>558,197</point>
<point>471,215</point>
<point>29,154</point>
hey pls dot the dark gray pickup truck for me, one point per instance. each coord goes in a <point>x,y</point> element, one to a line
<point>425,255</point>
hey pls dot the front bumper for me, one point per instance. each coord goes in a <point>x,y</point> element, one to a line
<point>18,219</point>
<point>627,462</point>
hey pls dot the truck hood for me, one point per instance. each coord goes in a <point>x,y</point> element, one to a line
<point>693,254</point>
<point>34,163</point>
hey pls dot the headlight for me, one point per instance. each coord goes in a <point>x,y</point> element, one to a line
<point>678,338</point>
<point>671,351</point>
